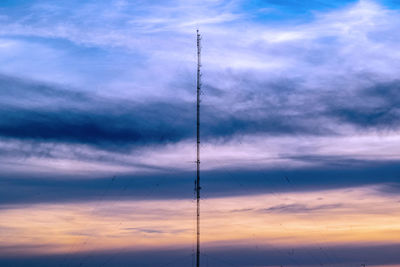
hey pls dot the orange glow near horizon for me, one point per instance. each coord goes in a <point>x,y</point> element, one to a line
<point>343,216</point>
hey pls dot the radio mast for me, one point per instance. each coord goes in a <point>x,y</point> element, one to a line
<point>198,150</point>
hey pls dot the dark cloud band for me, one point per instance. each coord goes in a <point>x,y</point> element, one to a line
<point>49,113</point>
<point>27,190</point>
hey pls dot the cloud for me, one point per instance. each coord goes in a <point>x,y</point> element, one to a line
<point>375,107</point>
<point>68,116</point>
<point>143,230</point>
<point>328,51</point>
<point>55,114</point>
<point>36,187</point>
<point>298,208</point>
<point>305,79</point>
<point>345,219</point>
<point>291,107</point>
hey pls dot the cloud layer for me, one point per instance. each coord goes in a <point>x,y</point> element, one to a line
<point>299,101</point>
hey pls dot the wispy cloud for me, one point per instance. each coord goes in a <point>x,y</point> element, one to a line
<point>118,224</point>
<point>299,127</point>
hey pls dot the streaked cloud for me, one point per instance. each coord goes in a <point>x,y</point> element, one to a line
<point>299,130</point>
<point>258,219</point>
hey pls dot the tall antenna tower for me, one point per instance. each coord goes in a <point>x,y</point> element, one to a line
<point>198,150</point>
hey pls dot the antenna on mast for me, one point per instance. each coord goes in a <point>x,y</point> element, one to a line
<point>198,149</point>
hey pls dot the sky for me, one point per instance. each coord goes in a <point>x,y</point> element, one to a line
<point>300,121</point>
